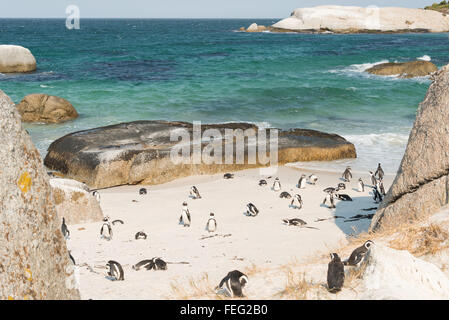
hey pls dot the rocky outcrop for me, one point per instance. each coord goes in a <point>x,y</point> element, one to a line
<point>421,186</point>
<point>255,28</point>
<point>74,202</point>
<point>34,262</point>
<point>45,108</point>
<point>16,59</point>
<point>404,70</point>
<point>139,152</point>
<point>392,274</point>
<point>345,19</point>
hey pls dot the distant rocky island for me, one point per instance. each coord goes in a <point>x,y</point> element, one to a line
<point>347,19</point>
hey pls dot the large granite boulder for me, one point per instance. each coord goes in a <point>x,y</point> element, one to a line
<point>421,186</point>
<point>139,152</point>
<point>34,261</point>
<point>74,202</point>
<point>16,59</point>
<point>346,19</point>
<point>405,69</point>
<point>46,108</point>
<point>389,274</point>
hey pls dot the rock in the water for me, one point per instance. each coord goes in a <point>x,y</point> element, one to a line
<point>252,28</point>
<point>34,261</point>
<point>421,186</point>
<point>139,152</point>
<point>45,108</point>
<point>74,202</point>
<point>16,59</point>
<point>345,19</point>
<point>404,70</point>
<point>393,274</point>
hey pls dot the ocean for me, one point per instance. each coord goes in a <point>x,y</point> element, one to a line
<point>119,70</point>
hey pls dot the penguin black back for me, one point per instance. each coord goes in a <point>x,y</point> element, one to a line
<point>115,270</point>
<point>358,254</point>
<point>335,274</point>
<point>235,282</point>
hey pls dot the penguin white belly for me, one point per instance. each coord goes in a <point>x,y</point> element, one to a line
<point>303,184</point>
<point>211,225</point>
<point>276,187</point>
<point>185,218</point>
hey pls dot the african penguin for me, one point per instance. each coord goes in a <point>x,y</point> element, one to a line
<point>285,195</point>
<point>379,172</point>
<point>228,176</point>
<point>235,282</point>
<point>140,235</point>
<point>106,229</point>
<point>262,182</point>
<point>211,225</point>
<point>142,191</point>
<point>335,274</point>
<point>330,197</point>
<point>185,218</point>
<point>380,187</point>
<point>330,190</point>
<point>344,197</point>
<point>294,222</point>
<point>117,221</point>
<point>195,193</point>
<point>373,179</point>
<point>361,185</point>
<point>96,194</point>
<point>151,264</point>
<point>252,210</point>
<point>296,202</point>
<point>358,254</point>
<point>115,270</point>
<point>347,175</point>
<point>376,195</point>
<point>71,258</point>
<point>302,182</point>
<point>276,185</point>
<point>341,186</point>
<point>65,231</point>
<point>313,179</point>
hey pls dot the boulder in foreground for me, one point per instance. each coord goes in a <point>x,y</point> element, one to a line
<point>74,202</point>
<point>34,261</point>
<point>392,274</point>
<point>404,70</point>
<point>46,108</point>
<point>139,152</point>
<point>421,186</point>
<point>15,59</point>
<point>347,19</point>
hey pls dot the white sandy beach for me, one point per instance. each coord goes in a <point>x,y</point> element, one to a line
<point>241,243</point>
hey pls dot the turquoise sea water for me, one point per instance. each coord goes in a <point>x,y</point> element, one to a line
<point>202,70</point>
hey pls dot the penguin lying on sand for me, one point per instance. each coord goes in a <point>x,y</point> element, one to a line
<point>115,270</point>
<point>235,282</point>
<point>358,254</point>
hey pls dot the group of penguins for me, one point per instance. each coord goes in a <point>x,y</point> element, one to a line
<point>235,280</point>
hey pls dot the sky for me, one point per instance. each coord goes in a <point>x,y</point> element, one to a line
<point>180,8</point>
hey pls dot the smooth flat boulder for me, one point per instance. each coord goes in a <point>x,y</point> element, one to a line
<point>45,108</point>
<point>139,152</point>
<point>34,261</point>
<point>421,186</point>
<point>405,69</point>
<point>16,59</point>
<point>74,202</point>
<point>389,274</point>
<point>348,19</point>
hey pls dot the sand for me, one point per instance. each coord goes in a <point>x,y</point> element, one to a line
<point>241,242</point>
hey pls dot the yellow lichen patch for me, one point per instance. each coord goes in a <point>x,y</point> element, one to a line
<point>24,182</point>
<point>28,274</point>
<point>10,298</point>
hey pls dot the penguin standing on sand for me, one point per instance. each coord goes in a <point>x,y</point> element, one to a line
<point>376,195</point>
<point>373,179</point>
<point>358,254</point>
<point>96,194</point>
<point>251,211</point>
<point>185,218</point>
<point>65,231</point>
<point>380,186</point>
<point>115,270</point>
<point>347,175</point>
<point>276,185</point>
<point>142,191</point>
<point>335,274</point>
<point>106,229</point>
<point>211,224</point>
<point>361,185</point>
<point>195,193</point>
<point>296,202</point>
<point>302,182</point>
<point>341,186</point>
<point>140,235</point>
<point>313,179</point>
<point>379,172</point>
<point>235,282</point>
<point>330,198</point>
